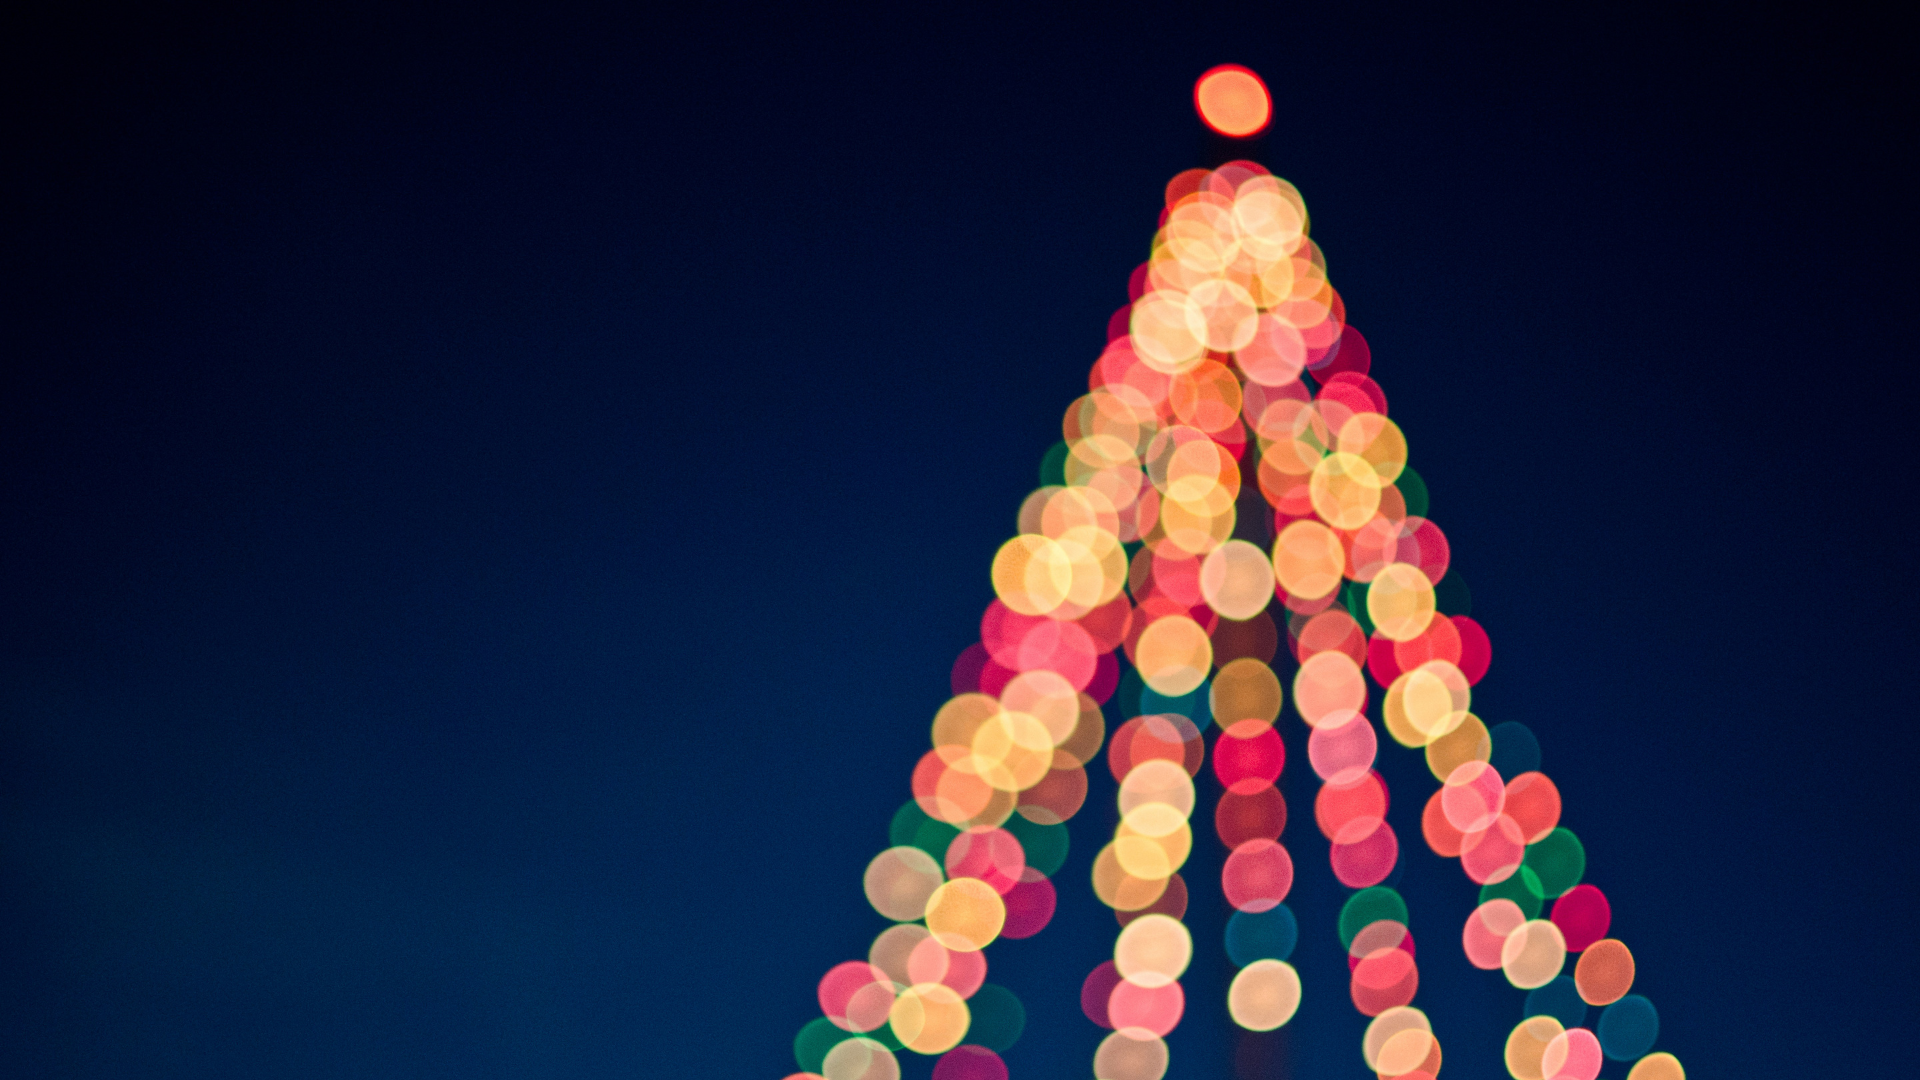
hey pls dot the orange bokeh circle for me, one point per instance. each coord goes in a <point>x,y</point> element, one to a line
<point>1233,101</point>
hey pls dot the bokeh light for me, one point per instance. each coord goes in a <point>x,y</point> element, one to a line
<point>1574,1054</point>
<point>1628,1027</point>
<point>1533,954</point>
<point>1605,972</point>
<point>1527,1046</point>
<point>1122,1056</point>
<point>1233,101</point>
<point>1264,995</point>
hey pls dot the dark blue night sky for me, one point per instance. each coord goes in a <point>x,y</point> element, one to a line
<point>492,501</point>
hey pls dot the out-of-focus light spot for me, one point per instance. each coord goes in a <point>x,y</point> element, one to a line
<point>1662,1066</point>
<point>1124,1057</point>
<point>1473,796</point>
<point>1236,579</point>
<point>1030,905</point>
<point>1533,954</point>
<point>1264,995</point>
<point>1097,990</point>
<point>1157,781</point>
<point>893,947</point>
<point>899,880</point>
<point>1386,1027</point>
<point>965,914</point>
<point>1144,1011</point>
<point>998,1018</point>
<point>1308,559</point>
<point>1249,756</point>
<point>1152,842</point>
<point>1257,815</point>
<point>1257,876</point>
<point>1332,630</point>
<point>1385,979</point>
<point>1345,491</point>
<point>1376,935</point>
<point>990,854</point>
<point>856,996</point>
<point>1527,1044</point>
<point>1476,652</point>
<point>1605,972</point>
<point>1171,903</point>
<point>1244,689</point>
<point>1329,687</point>
<point>1441,836</point>
<point>1174,655</point>
<point>1233,101</point>
<point>1583,916</point>
<point>1367,907</point>
<point>1426,704</point>
<point>1468,742</point>
<point>1407,1051</point>
<point>1153,950</point>
<point>1574,1054</point>
<point>1119,889</point>
<point>927,1018</point>
<point>1057,797</point>
<point>1558,861</point>
<point>860,1059</point>
<point>1348,812</point>
<point>1366,861</point>
<point>1342,752</point>
<point>1628,1028</point>
<point>1486,932</point>
<point>932,962</point>
<point>1262,935</point>
<point>1533,801</point>
<point>1400,601</point>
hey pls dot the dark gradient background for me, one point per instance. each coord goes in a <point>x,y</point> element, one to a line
<point>491,502</point>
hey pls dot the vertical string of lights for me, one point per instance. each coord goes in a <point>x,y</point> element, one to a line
<point>1233,355</point>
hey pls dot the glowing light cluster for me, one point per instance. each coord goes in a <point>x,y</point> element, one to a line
<point>1140,574</point>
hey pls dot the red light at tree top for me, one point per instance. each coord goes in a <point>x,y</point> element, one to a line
<point>1233,101</point>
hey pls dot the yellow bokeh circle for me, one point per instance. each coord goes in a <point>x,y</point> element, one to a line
<point>1153,950</point>
<point>1173,656</point>
<point>929,1018</point>
<point>1308,559</point>
<point>1533,954</point>
<point>1237,580</point>
<point>1032,573</point>
<point>860,1059</point>
<point>900,880</point>
<point>1527,1044</point>
<point>965,914</point>
<point>1385,1026</point>
<point>1400,602</point>
<point>1661,1066</point>
<point>1345,490</point>
<point>1264,995</point>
